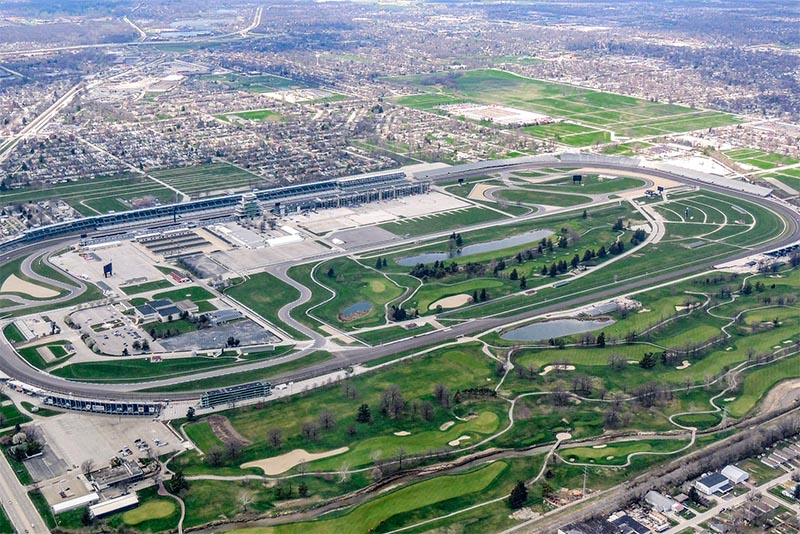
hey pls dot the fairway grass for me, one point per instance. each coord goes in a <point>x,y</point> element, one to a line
<point>266,295</point>
<point>371,514</point>
<point>155,509</point>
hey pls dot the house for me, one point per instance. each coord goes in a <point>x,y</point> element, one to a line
<point>660,503</point>
<point>713,483</point>
<point>734,474</point>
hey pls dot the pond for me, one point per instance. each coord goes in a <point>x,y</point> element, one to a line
<point>554,329</point>
<point>359,308</point>
<point>487,246</point>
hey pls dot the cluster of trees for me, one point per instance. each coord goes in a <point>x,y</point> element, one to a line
<point>22,444</point>
<point>200,322</point>
<point>397,313</point>
<point>439,269</point>
<point>380,263</point>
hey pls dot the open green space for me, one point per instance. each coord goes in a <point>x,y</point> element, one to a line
<point>5,522</point>
<point>253,83</point>
<point>202,436</point>
<point>39,411</point>
<point>153,509</point>
<point>208,178</point>
<point>233,378</point>
<point>135,370</point>
<point>617,453</point>
<point>541,196</point>
<point>353,283</point>
<point>450,220</point>
<point>266,295</point>
<point>760,159</point>
<point>14,268</point>
<point>392,333</point>
<point>12,333</point>
<point>590,109</point>
<point>194,293</point>
<point>91,196</point>
<point>395,504</point>
<point>257,115</point>
<point>456,368</point>
<point>145,287</point>
<point>591,184</point>
<point>10,414</point>
<point>32,356</point>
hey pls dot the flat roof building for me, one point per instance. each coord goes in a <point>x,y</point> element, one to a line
<point>110,506</point>
<point>713,483</point>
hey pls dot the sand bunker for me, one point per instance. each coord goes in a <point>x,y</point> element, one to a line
<point>562,436</point>
<point>284,462</point>
<point>644,310</point>
<point>402,433</point>
<point>549,368</point>
<point>457,442</point>
<point>13,284</point>
<point>729,399</point>
<point>609,457</point>
<point>603,446</point>
<point>446,425</point>
<point>684,364</point>
<point>451,302</point>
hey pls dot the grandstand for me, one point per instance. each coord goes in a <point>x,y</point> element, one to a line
<point>104,407</point>
<point>234,394</point>
<point>324,194</point>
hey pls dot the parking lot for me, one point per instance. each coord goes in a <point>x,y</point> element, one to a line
<point>77,437</point>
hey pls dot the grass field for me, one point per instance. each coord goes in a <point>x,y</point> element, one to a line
<point>256,115</point>
<point>5,523</point>
<point>265,295</point>
<point>145,287</point>
<point>154,509</point>
<point>353,283</point>
<point>31,355</point>
<point>457,368</point>
<point>202,436</point>
<point>542,196</point>
<point>204,384</point>
<point>619,451</point>
<point>12,333</point>
<point>441,221</point>
<point>597,113</point>
<point>591,184</point>
<point>370,515</point>
<point>392,333</point>
<point>10,414</point>
<point>196,294</point>
<point>261,83</point>
<point>136,370</point>
<point>759,159</point>
<point>207,178</point>
<point>14,268</point>
<point>92,196</point>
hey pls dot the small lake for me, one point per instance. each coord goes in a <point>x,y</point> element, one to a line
<point>487,246</point>
<point>554,329</point>
<point>361,306</point>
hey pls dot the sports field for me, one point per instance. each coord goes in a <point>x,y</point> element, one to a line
<point>759,159</point>
<point>595,114</point>
<point>263,83</point>
<point>208,178</point>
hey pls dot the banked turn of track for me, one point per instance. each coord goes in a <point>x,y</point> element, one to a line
<point>15,367</point>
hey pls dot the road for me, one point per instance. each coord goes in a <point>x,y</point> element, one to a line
<point>16,503</point>
<point>17,368</point>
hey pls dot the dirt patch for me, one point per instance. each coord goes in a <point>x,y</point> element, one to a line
<point>446,425</point>
<point>454,301</point>
<point>550,368</point>
<point>781,396</point>
<point>479,192</point>
<point>284,462</point>
<point>223,429</point>
<point>402,433</point>
<point>13,284</point>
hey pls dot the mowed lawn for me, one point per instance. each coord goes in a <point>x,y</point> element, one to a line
<point>593,115</point>
<point>266,295</point>
<point>370,515</point>
<point>353,283</point>
<point>208,178</point>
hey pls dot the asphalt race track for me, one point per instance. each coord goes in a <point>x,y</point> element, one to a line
<point>17,368</point>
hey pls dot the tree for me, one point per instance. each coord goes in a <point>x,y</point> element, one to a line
<point>514,275</point>
<point>518,497</point>
<point>190,414</point>
<point>275,438</point>
<point>483,295</point>
<point>86,517</point>
<point>302,489</point>
<point>617,362</point>
<point>331,273</point>
<point>523,282</point>
<point>327,419</point>
<point>87,467</point>
<point>364,415</point>
<point>601,340</point>
<point>648,360</point>
<point>619,225</point>
<point>245,499</point>
<point>442,395</point>
<point>178,483</point>
<point>392,402</point>
<point>378,263</point>
<point>310,430</point>
<point>584,214</point>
